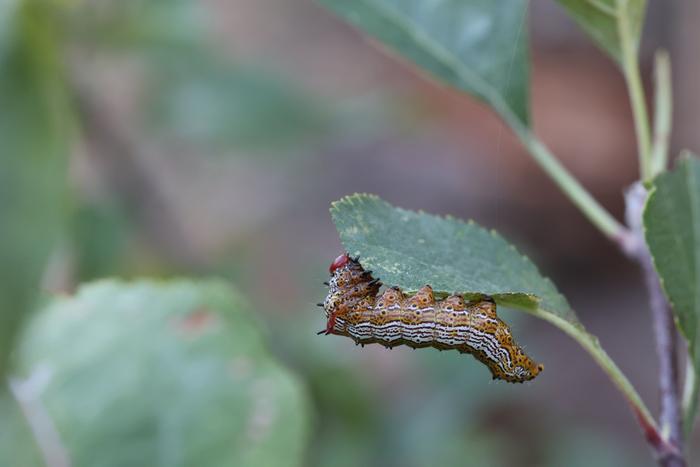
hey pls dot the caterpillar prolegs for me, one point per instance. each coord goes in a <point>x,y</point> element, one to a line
<point>354,308</point>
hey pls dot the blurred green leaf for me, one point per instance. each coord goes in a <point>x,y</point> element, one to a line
<point>191,91</point>
<point>200,97</point>
<point>478,46</point>
<point>164,373</point>
<point>672,231</point>
<point>607,20</point>
<point>35,130</point>
<point>410,249</point>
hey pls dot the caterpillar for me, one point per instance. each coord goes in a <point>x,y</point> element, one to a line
<point>354,308</point>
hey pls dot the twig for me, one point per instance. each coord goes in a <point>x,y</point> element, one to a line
<point>664,334</point>
<point>47,438</point>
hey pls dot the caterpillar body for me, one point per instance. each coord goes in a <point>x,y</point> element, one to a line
<point>355,308</point>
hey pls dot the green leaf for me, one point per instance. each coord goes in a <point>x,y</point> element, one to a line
<point>609,22</point>
<point>35,130</point>
<point>191,91</point>
<point>672,231</point>
<point>155,373</point>
<point>411,249</point>
<point>478,46</point>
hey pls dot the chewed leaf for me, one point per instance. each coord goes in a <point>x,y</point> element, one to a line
<point>410,249</point>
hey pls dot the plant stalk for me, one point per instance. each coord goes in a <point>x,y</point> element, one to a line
<point>572,188</point>
<point>41,425</point>
<point>588,205</point>
<point>663,109</point>
<point>664,334</point>
<point>630,68</point>
<point>592,346</point>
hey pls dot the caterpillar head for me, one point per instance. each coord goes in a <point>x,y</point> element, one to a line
<point>343,275</point>
<point>339,262</point>
<point>349,284</point>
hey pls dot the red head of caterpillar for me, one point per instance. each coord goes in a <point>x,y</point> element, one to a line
<point>339,262</point>
<point>354,308</point>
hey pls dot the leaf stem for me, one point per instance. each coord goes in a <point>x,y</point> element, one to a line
<point>662,113</point>
<point>594,211</point>
<point>591,344</point>
<point>630,68</point>
<point>571,187</point>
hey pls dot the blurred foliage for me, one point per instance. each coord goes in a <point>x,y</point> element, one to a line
<point>35,128</point>
<point>139,27</point>
<point>172,373</point>
<point>206,100</point>
<point>191,89</point>
<point>219,105</point>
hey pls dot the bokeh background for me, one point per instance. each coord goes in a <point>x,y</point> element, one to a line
<point>213,135</point>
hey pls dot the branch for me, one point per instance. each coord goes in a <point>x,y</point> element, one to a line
<point>664,334</point>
